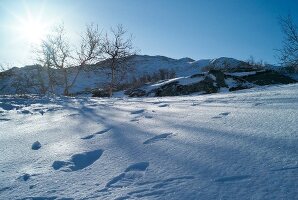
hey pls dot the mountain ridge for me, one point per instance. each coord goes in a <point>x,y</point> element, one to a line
<point>26,79</point>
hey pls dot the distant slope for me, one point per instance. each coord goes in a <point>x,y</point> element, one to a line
<point>27,79</point>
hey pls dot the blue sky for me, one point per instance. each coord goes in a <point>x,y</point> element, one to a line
<point>175,28</point>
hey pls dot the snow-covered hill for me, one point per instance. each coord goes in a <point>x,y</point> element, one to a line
<point>28,79</point>
<point>238,145</point>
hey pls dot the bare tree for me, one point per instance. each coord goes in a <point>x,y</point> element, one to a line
<point>3,67</point>
<point>288,54</point>
<point>56,53</point>
<point>117,49</point>
<point>90,50</point>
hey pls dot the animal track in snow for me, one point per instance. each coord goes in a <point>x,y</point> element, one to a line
<point>129,176</point>
<point>78,161</point>
<point>94,134</point>
<point>232,178</point>
<point>157,138</point>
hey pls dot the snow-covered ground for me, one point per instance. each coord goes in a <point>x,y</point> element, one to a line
<point>239,145</point>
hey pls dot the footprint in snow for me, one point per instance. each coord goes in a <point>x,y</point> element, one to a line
<point>221,115</point>
<point>24,177</point>
<point>4,119</point>
<point>148,117</point>
<point>232,178</point>
<point>134,120</point>
<point>157,188</point>
<point>46,198</point>
<point>73,115</point>
<point>5,189</point>
<point>78,161</point>
<point>284,169</point>
<point>94,134</point>
<point>157,138</point>
<point>137,112</point>
<point>131,174</point>
<point>25,112</point>
<point>163,105</point>
<point>224,113</point>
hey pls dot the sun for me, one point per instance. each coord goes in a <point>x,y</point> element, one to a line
<point>32,25</point>
<point>33,31</point>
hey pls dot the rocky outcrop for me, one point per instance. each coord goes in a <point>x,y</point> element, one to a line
<point>268,77</point>
<point>211,82</point>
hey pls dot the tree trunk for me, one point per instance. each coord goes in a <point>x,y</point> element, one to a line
<point>66,92</point>
<point>112,80</point>
<point>51,82</point>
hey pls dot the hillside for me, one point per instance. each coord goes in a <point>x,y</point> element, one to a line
<point>238,145</point>
<point>28,79</point>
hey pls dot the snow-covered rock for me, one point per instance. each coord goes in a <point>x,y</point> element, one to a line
<point>211,82</point>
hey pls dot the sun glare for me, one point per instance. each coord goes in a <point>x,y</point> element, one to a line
<point>32,26</point>
<point>33,31</point>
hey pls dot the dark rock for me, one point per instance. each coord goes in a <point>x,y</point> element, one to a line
<point>220,77</point>
<point>135,93</point>
<point>197,75</point>
<point>238,87</point>
<point>169,89</point>
<point>268,77</point>
<point>100,93</point>
<point>175,89</point>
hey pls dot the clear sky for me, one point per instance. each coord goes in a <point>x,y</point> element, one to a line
<point>175,28</point>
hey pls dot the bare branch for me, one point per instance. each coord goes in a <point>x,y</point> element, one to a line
<point>288,54</point>
<point>117,48</point>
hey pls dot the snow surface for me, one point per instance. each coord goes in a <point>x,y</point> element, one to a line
<point>239,145</point>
